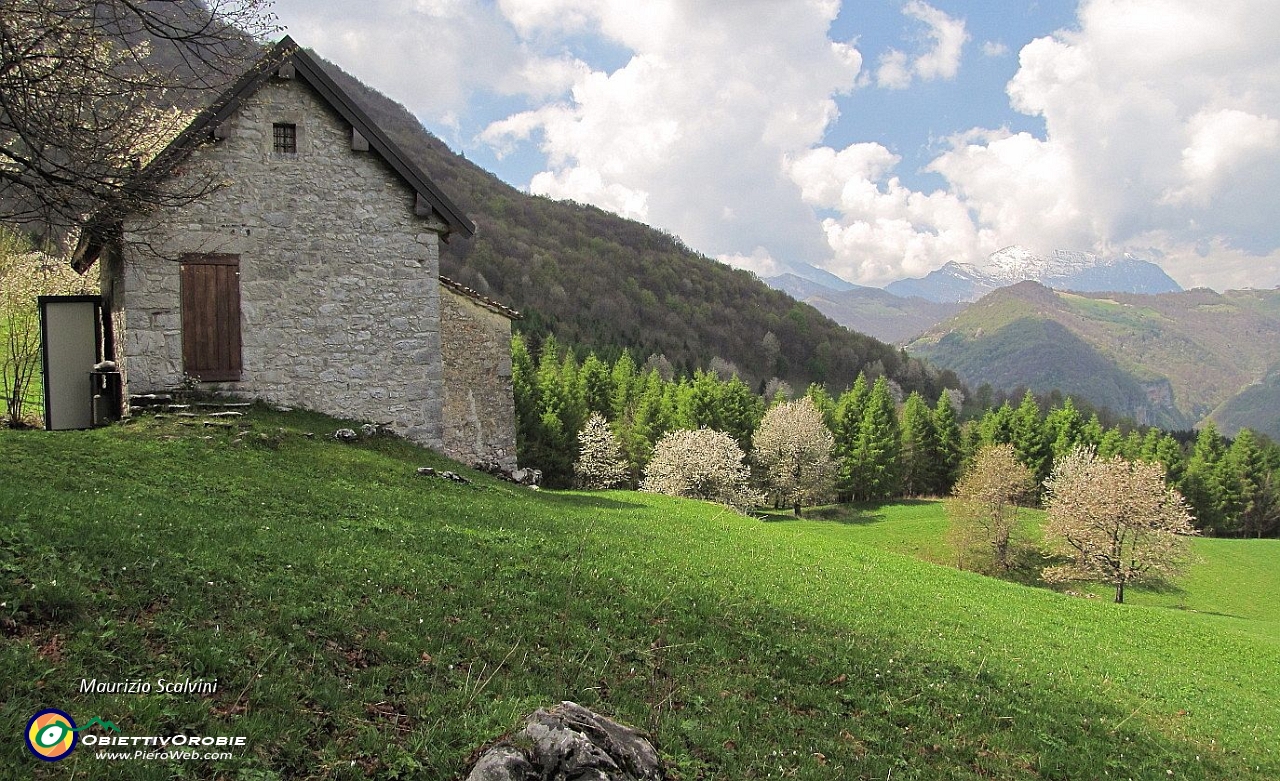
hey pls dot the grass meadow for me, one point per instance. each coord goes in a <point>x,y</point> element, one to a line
<point>362,621</point>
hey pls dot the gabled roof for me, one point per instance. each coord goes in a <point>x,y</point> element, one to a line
<point>304,66</point>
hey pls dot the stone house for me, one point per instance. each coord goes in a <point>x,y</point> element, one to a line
<point>309,275</point>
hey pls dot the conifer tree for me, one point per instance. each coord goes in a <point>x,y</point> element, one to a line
<point>1112,444</point>
<point>552,444</point>
<point>524,390</point>
<point>626,385</point>
<point>1150,450</point>
<point>822,400</point>
<point>997,426</point>
<point>573,394</point>
<point>654,417</point>
<point>875,457</point>
<point>950,445</point>
<point>1028,437</point>
<point>1064,429</point>
<point>1092,433</point>
<point>740,411</point>
<point>1132,448</point>
<point>597,385</point>
<point>1260,516</point>
<point>1201,482</point>
<point>1240,476</point>
<point>1169,453</point>
<point>700,403</point>
<point>920,462</point>
<point>848,422</point>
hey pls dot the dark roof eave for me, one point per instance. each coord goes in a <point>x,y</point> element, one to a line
<point>492,305</point>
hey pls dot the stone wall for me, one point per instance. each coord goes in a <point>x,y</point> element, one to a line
<point>479,411</point>
<point>338,277</point>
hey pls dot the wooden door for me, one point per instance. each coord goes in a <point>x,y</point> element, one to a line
<point>211,317</point>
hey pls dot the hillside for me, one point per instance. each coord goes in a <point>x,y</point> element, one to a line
<point>869,310</point>
<point>1170,360</point>
<point>363,621</point>
<point>1256,407</point>
<point>599,281</point>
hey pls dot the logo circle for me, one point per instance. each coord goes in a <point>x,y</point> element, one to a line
<point>51,734</point>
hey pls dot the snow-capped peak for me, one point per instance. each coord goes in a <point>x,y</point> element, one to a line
<point>1063,269</point>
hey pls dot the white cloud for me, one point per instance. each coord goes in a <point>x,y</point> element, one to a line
<point>760,262</point>
<point>894,72</point>
<point>946,37</point>
<point>1161,125</point>
<point>994,49</point>
<point>587,185</point>
<point>1221,146</point>
<point>885,229</point>
<point>691,133</point>
<point>434,74</point>
<point>1161,137</point>
<point>1018,186</point>
<point>1160,131</point>
<point>1210,263</point>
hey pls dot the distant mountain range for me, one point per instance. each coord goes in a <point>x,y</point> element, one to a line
<point>868,310</point>
<point>1172,360</point>
<point>907,308</point>
<point>1082,272</point>
<point>809,277</point>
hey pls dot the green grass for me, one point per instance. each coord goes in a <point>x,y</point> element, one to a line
<point>1233,582</point>
<point>1139,319</point>
<point>911,527</point>
<point>362,621</point>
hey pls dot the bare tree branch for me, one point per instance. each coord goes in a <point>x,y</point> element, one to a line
<point>91,90</point>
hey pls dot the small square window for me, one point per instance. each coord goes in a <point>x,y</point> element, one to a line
<point>284,138</point>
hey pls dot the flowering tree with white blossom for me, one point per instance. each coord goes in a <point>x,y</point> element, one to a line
<point>703,464</point>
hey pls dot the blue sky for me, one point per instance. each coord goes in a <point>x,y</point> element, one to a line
<point>876,139</point>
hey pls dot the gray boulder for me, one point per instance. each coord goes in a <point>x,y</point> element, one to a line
<point>570,743</point>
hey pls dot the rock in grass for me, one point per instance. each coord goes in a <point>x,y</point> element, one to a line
<point>570,743</point>
<point>344,435</point>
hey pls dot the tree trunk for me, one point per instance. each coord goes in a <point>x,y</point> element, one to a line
<point>1120,593</point>
<point>796,508</point>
